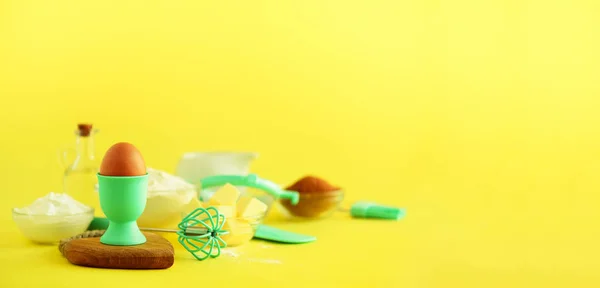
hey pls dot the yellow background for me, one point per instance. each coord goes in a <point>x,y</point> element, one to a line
<point>480,117</point>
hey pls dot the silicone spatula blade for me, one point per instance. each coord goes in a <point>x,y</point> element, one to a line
<point>265,232</point>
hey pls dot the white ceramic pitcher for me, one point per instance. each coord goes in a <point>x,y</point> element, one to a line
<point>193,166</point>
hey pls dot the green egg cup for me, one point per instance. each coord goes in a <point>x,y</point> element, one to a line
<point>123,200</point>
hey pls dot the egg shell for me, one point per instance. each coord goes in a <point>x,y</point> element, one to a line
<point>123,159</point>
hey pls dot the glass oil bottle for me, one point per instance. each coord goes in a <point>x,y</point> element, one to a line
<point>80,175</point>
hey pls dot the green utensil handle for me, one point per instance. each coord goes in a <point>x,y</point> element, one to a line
<point>251,180</point>
<point>367,209</point>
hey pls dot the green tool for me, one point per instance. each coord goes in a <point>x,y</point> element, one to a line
<point>251,180</point>
<point>210,239</point>
<point>364,209</point>
<point>277,235</point>
<point>199,232</point>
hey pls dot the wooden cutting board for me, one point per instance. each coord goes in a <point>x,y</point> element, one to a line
<point>156,253</point>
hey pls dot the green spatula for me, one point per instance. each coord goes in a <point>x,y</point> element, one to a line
<point>265,232</point>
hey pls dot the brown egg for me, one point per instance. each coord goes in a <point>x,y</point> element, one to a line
<point>123,159</point>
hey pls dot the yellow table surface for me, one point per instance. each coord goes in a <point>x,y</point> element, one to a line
<point>348,252</point>
<point>422,250</point>
<point>480,117</point>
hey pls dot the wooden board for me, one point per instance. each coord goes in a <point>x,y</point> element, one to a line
<point>156,253</point>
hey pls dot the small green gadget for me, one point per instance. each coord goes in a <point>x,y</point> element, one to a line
<point>366,209</point>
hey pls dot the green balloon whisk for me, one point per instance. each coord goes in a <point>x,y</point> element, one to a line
<point>200,238</point>
<point>199,232</point>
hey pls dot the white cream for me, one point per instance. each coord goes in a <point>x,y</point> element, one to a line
<point>54,204</point>
<point>169,198</point>
<point>160,181</point>
<point>53,217</point>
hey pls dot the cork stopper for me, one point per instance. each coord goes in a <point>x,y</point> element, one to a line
<point>84,130</point>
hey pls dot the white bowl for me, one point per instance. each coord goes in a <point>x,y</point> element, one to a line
<point>164,208</point>
<point>50,229</point>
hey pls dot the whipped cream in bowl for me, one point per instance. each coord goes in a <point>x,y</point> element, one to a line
<point>52,218</point>
<point>169,198</point>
